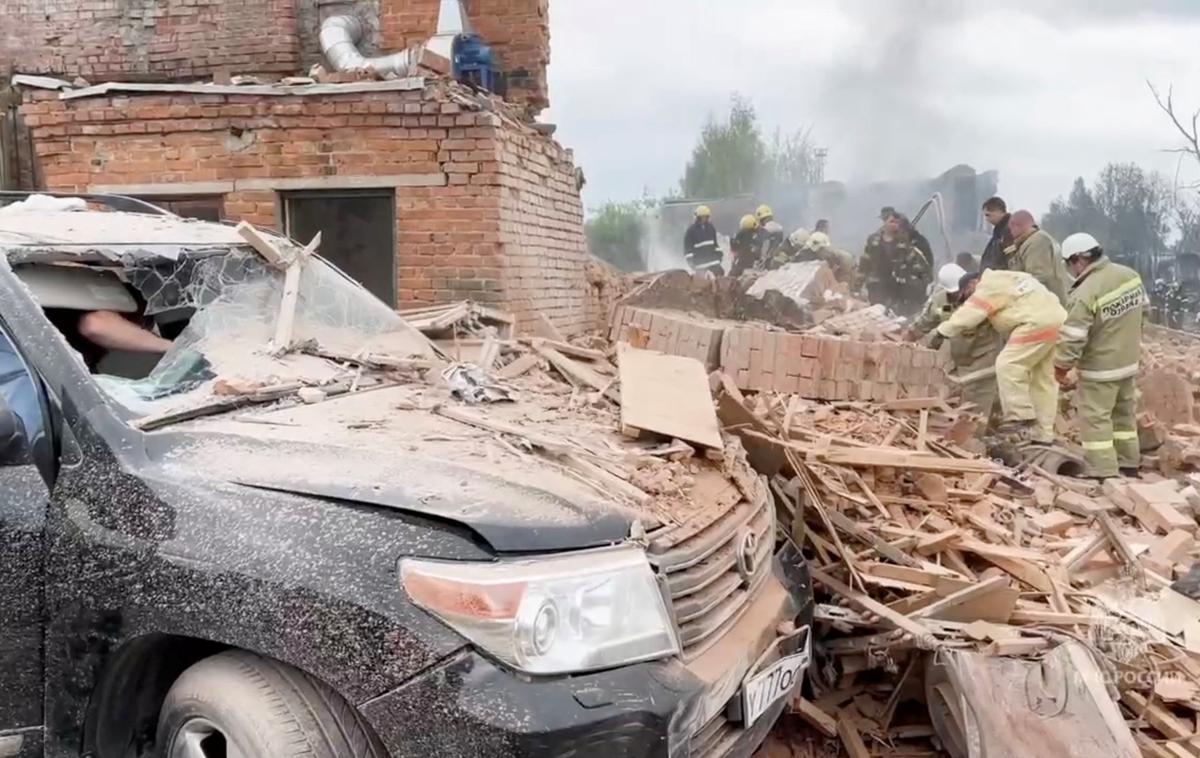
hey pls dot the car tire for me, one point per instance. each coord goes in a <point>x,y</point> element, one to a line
<point>240,705</point>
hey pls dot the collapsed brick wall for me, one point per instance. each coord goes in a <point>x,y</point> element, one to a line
<point>760,359</point>
<point>148,39</point>
<point>606,287</point>
<point>517,30</point>
<point>492,214</point>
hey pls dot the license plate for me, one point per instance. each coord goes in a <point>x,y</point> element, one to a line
<point>761,690</point>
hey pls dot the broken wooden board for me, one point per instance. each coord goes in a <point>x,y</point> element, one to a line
<point>518,367</point>
<point>574,351</point>
<point>577,372</point>
<point>667,395</point>
<point>812,713</point>
<point>889,617</point>
<point>991,600</point>
<point>851,738</point>
<point>736,417</point>
<point>261,244</point>
<point>545,328</point>
<point>885,457</point>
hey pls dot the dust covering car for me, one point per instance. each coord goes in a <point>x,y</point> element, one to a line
<point>243,548</point>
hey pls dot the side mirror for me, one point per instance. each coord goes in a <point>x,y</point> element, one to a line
<point>13,447</point>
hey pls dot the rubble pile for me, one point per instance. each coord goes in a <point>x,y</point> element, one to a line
<point>947,585</point>
<point>922,551</point>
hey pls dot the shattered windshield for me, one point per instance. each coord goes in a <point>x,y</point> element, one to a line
<point>231,303</point>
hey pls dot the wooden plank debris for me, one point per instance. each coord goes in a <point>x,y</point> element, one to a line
<point>814,715</point>
<point>668,395</point>
<point>915,542</point>
<point>578,373</point>
<point>856,598</point>
<point>518,367</point>
<point>851,738</point>
<point>545,328</point>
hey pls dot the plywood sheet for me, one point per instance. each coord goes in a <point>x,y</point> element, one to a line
<point>668,395</point>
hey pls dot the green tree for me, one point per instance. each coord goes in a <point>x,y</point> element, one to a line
<point>1127,209</point>
<point>1077,213</point>
<point>731,157</point>
<point>793,160</point>
<point>1138,205</point>
<point>616,233</point>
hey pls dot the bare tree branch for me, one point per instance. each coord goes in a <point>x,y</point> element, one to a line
<point>1191,136</point>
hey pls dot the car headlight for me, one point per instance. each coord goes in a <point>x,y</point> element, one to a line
<point>564,614</point>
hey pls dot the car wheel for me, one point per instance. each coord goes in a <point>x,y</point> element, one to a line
<point>240,705</point>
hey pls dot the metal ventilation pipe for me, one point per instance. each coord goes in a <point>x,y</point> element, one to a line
<point>340,36</point>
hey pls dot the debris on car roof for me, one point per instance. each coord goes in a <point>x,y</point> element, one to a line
<point>127,232</point>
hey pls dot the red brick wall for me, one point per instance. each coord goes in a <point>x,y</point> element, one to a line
<point>503,226</point>
<point>148,39</point>
<point>541,229</point>
<point>518,30</point>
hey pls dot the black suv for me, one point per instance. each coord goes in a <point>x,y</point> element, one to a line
<point>197,563</point>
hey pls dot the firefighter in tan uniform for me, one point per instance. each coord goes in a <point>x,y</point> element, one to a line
<point>973,352</point>
<point>1035,252</point>
<point>1102,338</point>
<point>1019,306</point>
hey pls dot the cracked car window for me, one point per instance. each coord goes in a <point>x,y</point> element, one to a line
<point>236,300</point>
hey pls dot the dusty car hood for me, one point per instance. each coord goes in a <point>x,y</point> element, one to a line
<point>515,503</point>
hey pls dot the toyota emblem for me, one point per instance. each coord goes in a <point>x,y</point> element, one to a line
<point>747,555</point>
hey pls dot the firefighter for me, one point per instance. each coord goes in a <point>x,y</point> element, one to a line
<point>1102,338</point>
<point>792,250</point>
<point>895,272</point>
<point>973,351</point>
<point>820,247</point>
<point>700,244</point>
<point>1018,305</point>
<point>770,233</point>
<point>743,245</point>
<point>921,243</point>
<point>1035,252</point>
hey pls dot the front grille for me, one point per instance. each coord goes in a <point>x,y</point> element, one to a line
<point>699,563</point>
<point>715,738</point>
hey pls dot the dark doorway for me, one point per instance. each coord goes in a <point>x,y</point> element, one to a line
<point>357,233</point>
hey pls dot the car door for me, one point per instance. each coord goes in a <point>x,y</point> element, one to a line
<point>24,499</point>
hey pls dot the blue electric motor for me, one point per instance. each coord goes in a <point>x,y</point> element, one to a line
<point>474,63</point>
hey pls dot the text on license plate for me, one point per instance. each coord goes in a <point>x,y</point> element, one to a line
<point>763,689</point>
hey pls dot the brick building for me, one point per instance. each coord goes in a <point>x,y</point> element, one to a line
<point>426,190</point>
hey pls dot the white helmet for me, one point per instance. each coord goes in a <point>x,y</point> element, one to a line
<point>949,276</point>
<point>1080,242</point>
<point>818,241</point>
<point>799,237</point>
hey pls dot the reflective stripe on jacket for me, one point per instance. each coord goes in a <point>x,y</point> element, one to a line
<point>1103,331</point>
<point>1015,303</point>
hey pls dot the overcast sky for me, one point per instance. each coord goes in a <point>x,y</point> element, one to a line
<point>893,88</point>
